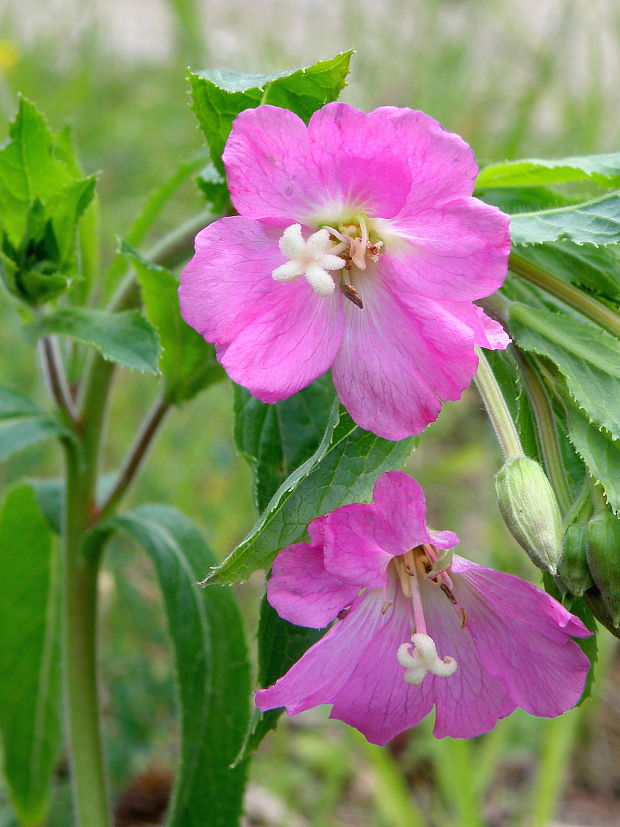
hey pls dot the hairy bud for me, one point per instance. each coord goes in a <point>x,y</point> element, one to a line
<point>603,552</point>
<point>529,508</point>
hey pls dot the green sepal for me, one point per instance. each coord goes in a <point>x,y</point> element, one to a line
<point>603,553</point>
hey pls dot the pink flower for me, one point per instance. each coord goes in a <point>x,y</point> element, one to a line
<point>409,633</point>
<point>357,247</point>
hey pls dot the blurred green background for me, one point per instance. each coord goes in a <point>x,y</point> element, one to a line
<point>514,77</point>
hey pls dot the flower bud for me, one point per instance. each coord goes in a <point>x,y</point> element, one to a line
<point>573,566</point>
<point>603,553</point>
<point>529,508</point>
<point>596,604</point>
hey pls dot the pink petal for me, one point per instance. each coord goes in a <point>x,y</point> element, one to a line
<point>375,697</point>
<point>487,332</point>
<point>457,252</point>
<point>359,158</point>
<point>228,281</point>
<point>318,676</point>
<point>523,637</point>
<point>401,501</point>
<point>302,591</point>
<point>470,701</point>
<point>288,345</point>
<point>399,360</point>
<point>359,544</point>
<point>266,159</point>
<point>441,164</point>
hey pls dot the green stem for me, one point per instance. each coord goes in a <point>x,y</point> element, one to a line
<point>497,409</point>
<point>53,370</point>
<point>136,456</point>
<point>575,298</point>
<point>547,434</point>
<point>79,638</point>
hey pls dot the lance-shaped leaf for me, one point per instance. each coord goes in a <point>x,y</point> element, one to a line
<point>586,355</point>
<point>125,338</point>
<point>211,668</point>
<point>535,172</point>
<point>29,655</point>
<point>590,222</point>
<point>22,423</point>
<point>187,362</point>
<point>342,470</point>
<point>280,645</point>
<point>597,269</point>
<point>277,439</point>
<point>600,453</point>
<point>219,95</point>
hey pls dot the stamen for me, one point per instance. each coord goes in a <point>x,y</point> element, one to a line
<point>351,293</point>
<point>420,656</point>
<point>386,607</point>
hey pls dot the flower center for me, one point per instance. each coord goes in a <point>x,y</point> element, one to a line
<point>419,656</point>
<point>345,248</point>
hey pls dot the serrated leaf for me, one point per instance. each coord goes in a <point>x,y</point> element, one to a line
<point>586,355</point>
<point>600,453</point>
<point>22,423</point>
<point>534,172</point>
<point>280,645</point>
<point>29,169</point>
<point>219,95</point>
<point>187,362</point>
<point>29,656</point>
<point>342,470</point>
<point>65,210</point>
<point>597,269</point>
<point>277,439</point>
<point>211,668</point>
<point>125,338</point>
<point>589,222</point>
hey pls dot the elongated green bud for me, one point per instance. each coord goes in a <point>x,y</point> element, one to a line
<point>573,565</point>
<point>529,508</point>
<point>603,552</point>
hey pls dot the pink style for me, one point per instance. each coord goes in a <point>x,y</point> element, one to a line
<point>357,247</point>
<point>415,629</point>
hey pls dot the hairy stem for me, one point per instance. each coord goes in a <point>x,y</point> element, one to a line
<point>79,637</point>
<point>497,409</point>
<point>575,298</point>
<point>547,434</point>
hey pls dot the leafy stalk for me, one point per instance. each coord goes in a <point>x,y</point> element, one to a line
<point>575,298</point>
<point>547,434</point>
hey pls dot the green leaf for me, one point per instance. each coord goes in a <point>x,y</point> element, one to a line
<point>277,439</point>
<point>534,172</point>
<point>22,423</point>
<point>29,656</point>
<point>600,453</point>
<point>596,269</point>
<point>590,222</point>
<point>342,470</point>
<point>187,362</point>
<point>586,355</point>
<point>42,199</point>
<point>126,338</point>
<point>220,95</point>
<point>280,645</point>
<point>211,668</point>
<point>29,169</point>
